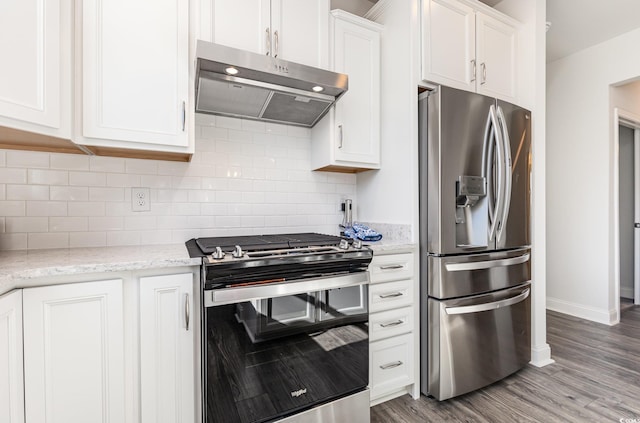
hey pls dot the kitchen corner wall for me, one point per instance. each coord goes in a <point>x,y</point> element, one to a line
<point>246,177</point>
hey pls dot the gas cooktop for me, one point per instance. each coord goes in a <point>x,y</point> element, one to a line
<point>201,247</point>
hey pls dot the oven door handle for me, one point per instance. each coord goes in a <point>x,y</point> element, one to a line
<point>216,297</point>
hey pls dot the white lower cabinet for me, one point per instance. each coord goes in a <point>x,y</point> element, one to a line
<point>393,327</point>
<point>110,351</point>
<point>73,353</point>
<point>392,364</point>
<point>11,376</point>
<point>167,338</point>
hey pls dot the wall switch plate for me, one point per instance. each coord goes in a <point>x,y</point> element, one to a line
<point>140,199</point>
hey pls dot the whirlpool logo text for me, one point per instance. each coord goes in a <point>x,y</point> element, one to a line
<point>298,392</point>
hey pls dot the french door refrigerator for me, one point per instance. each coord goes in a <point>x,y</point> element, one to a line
<point>475,190</point>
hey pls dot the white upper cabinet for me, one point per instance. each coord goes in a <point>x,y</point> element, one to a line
<point>11,375</point>
<point>496,57</point>
<point>449,47</point>
<point>468,49</point>
<point>74,353</point>
<point>293,30</point>
<point>348,138</point>
<point>135,73</point>
<point>35,51</point>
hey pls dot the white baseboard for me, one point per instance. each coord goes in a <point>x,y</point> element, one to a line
<point>604,316</point>
<point>541,356</point>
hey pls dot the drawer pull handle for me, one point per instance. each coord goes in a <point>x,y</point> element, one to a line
<point>391,365</point>
<point>390,324</point>
<point>391,267</point>
<point>392,295</point>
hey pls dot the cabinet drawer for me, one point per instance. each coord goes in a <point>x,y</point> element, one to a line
<point>391,268</point>
<point>391,364</point>
<point>388,295</point>
<point>390,323</point>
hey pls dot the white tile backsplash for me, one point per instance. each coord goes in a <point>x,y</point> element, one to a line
<point>246,177</point>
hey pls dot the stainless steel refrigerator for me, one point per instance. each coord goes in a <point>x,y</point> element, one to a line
<point>475,208</point>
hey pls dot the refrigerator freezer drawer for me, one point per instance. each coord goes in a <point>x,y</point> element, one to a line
<point>475,341</point>
<point>458,276</point>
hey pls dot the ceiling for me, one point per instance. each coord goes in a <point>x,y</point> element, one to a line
<point>578,24</point>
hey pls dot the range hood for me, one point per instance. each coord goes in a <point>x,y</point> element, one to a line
<point>239,83</point>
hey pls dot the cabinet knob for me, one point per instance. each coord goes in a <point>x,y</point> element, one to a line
<point>483,66</point>
<point>339,136</point>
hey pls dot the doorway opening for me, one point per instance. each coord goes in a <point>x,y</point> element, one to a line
<point>627,210</point>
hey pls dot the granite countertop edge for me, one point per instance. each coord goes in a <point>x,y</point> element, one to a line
<point>20,269</point>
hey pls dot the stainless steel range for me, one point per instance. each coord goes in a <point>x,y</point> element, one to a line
<point>285,328</point>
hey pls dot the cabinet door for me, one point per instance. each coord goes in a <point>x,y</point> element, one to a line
<point>167,373</point>
<point>300,31</point>
<point>448,44</point>
<point>243,24</point>
<point>73,353</point>
<point>11,376</point>
<point>496,57</point>
<point>30,75</point>
<point>135,58</point>
<point>357,113</point>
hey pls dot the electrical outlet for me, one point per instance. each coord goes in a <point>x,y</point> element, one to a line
<point>140,200</point>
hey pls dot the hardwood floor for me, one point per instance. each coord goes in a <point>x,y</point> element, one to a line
<point>596,378</point>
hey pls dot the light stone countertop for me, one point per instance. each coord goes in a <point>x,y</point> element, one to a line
<point>17,268</point>
<point>390,247</point>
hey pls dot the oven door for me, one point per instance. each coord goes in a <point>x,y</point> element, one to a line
<point>274,350</point>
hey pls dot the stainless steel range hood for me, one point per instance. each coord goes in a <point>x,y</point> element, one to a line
<point>238,83</point>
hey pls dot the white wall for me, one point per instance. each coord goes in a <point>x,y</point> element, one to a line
<point>391,193</point>
<point>245,178</point>
<point>580,155</point>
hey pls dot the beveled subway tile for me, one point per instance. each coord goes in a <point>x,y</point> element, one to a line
<point>87,239</point>
<point>68,224</point>
<point>13,176</point>
<point>65,193</point>
<point>46,208</point>
<point>27,159</point>
<point>27,192</point>
<point>69,162</point>
<point>37,241</point>
<point>13,241</point>
<point>90,179</point>
<point>26,224</point>
<point>47,177</point>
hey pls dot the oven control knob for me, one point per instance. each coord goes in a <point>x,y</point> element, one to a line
<point>357,244</point>
<point>237,252</point>
<point>218,254</point>
<point>344,244</point>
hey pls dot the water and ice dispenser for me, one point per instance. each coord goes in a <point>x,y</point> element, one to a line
<point>472,216</point>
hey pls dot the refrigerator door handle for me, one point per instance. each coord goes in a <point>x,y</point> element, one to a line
<point>486,264</point>
<point>487,166</point>
<point>499,151</point>
<point>507,172</point>
<point>488,306</point>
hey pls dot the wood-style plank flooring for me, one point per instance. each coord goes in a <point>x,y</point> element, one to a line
<point>596,378</point>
